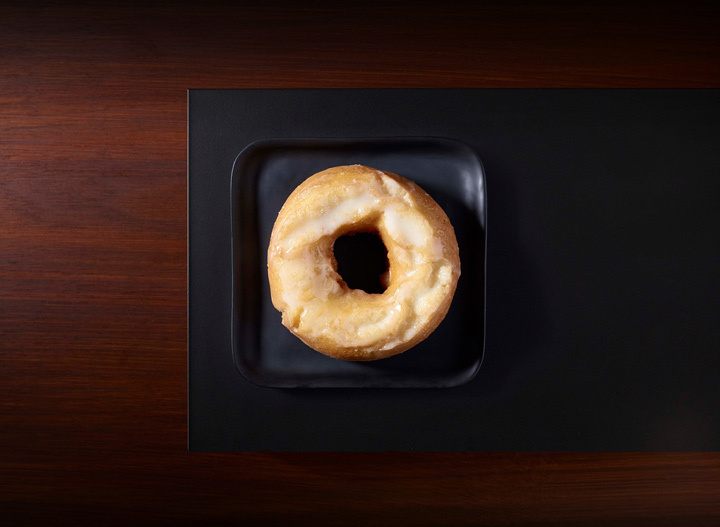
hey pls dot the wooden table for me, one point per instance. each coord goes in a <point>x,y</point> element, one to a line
<point>93,259</point>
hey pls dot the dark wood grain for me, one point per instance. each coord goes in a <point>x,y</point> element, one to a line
<point>93,258</point>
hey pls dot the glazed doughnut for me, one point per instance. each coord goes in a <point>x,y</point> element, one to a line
<point>316,303</point>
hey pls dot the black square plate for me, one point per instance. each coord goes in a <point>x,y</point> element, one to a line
<point>265,174</point>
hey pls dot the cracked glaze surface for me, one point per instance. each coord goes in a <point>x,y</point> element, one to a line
<point>317,305</point>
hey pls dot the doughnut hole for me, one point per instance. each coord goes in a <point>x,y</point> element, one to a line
<point>362,261</point>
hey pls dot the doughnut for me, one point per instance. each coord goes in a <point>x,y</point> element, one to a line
<point>316,303</point>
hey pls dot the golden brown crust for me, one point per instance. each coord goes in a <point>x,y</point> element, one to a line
<point>317,305</point>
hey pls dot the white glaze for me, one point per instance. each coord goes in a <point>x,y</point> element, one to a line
<point>327,221</point>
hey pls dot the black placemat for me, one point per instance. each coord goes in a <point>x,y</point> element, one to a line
<point>602,273</point>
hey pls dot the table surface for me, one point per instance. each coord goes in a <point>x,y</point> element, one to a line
<point>93,258</point>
